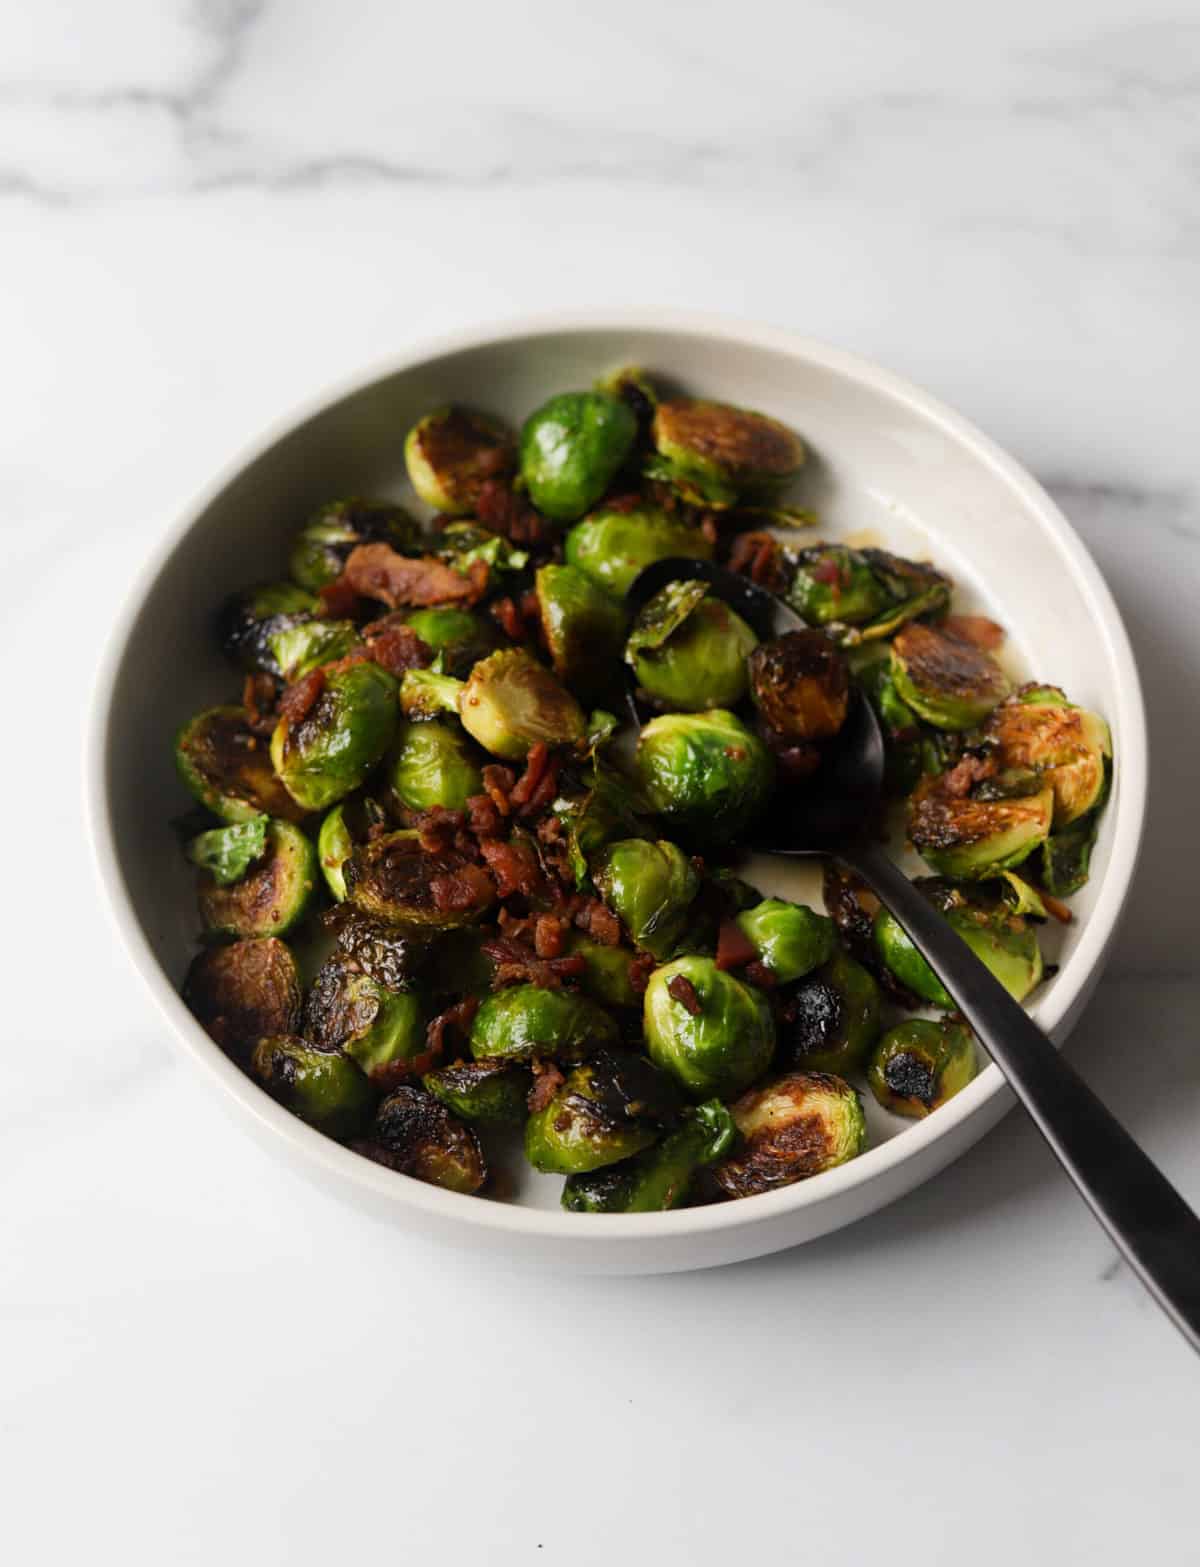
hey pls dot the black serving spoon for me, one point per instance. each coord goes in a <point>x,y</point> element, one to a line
<point>825,816</point>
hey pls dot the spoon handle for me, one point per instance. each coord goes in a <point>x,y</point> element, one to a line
<point>1142,1212</point>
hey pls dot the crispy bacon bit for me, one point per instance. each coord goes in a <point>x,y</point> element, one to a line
<point>483,819</point>
<point>340,601</point>
<point>1058,908</point>
<point>517,963</point>
<point>709,527</point>
<point>498,782</point>
<point>683,991</point>
<point>437,827</point>
<point>538,784</point>
<point>976,629</point>
<point>757,555</point>
<point>599,921</point>
<point>300,698</point>
<point>377,571</point>
<point>464,888</point>
<point>640,969</point>
<point>456,1020</point>
<point>547,1080</point>
<point>259,693</point>
<point>759,974</point>
<point>734,947</point>
<point>508,617</point>
<point>518,926</point>
<point>513,864</point>
<point>549,936</point>
<point>500,509</point>
<point>629,501</point>
<point>828,572</point>
<point>399,648</point>
<point>958,782</point>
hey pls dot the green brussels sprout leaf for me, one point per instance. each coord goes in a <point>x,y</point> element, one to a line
<point>227,853</point>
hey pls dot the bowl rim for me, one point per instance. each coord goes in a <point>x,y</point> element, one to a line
<point>874,1164</point>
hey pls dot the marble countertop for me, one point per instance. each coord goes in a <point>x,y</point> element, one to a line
<point>209,211</point>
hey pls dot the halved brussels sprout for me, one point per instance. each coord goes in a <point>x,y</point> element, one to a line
<point>612,547</point>
<point>225,766</point>
<point>337,743</point>
<point>322,1087</point>
<point>335,845</point>
<point>382,1030</point>
<point>801,685</point>
<point>1004,941</point>
<point>904,759</point>
<point>650,887</point>
<point>431,763</point>
<point>660,1177</point>
<point>450,454</point>
<point>704,772</point>
<point>1066,746</point>
<point>793,1127</point>
<point>606,978</point>
<point>582,625</point>
<point>710,1031</point>
<point>596,817</point>
<point>227,853</point>
<point>414,1134</point>
<point>301,647</point>
<point>949,682</point>
<point>394,879</point>
<point>460,636</point>
<point>249,622</point>
<point>273,893</point>
<point>920,1064</point>
<point>832,1019</point>
<point>424,693</point>
<point>527,1020</point>
<point>244,992</point>
<point>571,449</point>
<point>491,1093</point>
<point>970,838</point>
<point>689,650</point>
<point>510,702</point>
<point>713,453</point>
<point>326,540</point>
<point>790,939</point>
<point>609,1107</point>
<point>397,956</point>
<point>862,595</point>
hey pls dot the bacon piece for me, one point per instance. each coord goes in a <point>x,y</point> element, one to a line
<point>547,1080</point>
<point>483,819</point>
<point>398,648</point>
<point>757,555</point>
<point>378,571</point>
<point>1058,908</point>
<point>508,617</point>
<point>759,974</point>
<point>301,697</point>
<point>500,509</point>
<point>734,947</point>
<point>437,827</point>
<point>339,600</point>
<point>498,781</point>
<point>259,695</point>
<point>457,1018</point>
<point>976,629</point>
<point>549,936</point>
<point>599,921</point>
<point>640,969</point>
<point>536,764</point>
<point>462,889</point>
<point>683,991</point>
<point>958,782</point>
<point>514,865</point>
<point>518,964</point>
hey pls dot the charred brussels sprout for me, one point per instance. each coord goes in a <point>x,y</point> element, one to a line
<point>392,878</point>
<point>526,1020</point>
<point>322,1087</point>
<point>634,388</point>
<point>949,682</point>
<point>710,1031</point>
<point>1004,941</point>
<point>689,650</point>
<point>226,767</point>
<point>920,1064</point>
<point>662,1176</point>
<point>450,455</point>
<point>1066,856</point>
<point>397,956</point>
<point>244,992</point>
<point>510,702</point>
<point>794,1126</point>
<point>491,1093</point>
<point>461,637</point>
<point>571,449</point>
<point>250,621</point>
<point>326,540</point>
<point>431,763</point>
<point>1065,746</point>
<point>650,886</point>
<point>862,595</point>
<point>832,1019</point>
<point>790,939</point>
<point>714,453</point>
<point>270,896</point>
<point>800,684</point>
<point>704,772</point>
<point>612,547</point>
<point>609,1107</point>
<point>582,625</point>
<point>382,1030</point>
<point>414,1134</point>
<point>976,835</point>
<point>340,739</point>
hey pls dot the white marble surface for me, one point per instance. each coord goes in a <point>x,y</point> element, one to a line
<point>206,212</point>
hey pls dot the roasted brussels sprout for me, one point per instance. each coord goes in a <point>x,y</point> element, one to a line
<point>301,647</point>
<point>510,702</point>
<point>792,1127</point>
<point>383,1030</point>
<point>710,1031</point>
<point>323,1087</point>
<point>459,636</point>
<point>460,544</point>
<point>414,1134</point>
<point>634,388</point>
<point>250,621</point>
<point>397,956</point>
<point>394,879</point>
<point>790,939</point>
<point>606,978</point>
<point>1064,745</point>
<point>431,763</point>
<point>949,682</point>
<point>491,1093</point>
<point>973,836</point>
<point>661,1177</point>
<point>609,1107</point>
<point>1004,941</point>
<point>921,1063</point>
<point>527,1020</point>
<point>335,845</point>
<point>689,650</point>
<point>861,595</point>
<point>800,684</point>
<point>226,767</point>
<point>904,744</point>
<point>582,625</point>
<point>705,773</point>
<point>612,547</point>
<point>271,895</point>
<point>650,886</point>
<point>227,853</point>
<point>714,453</point>
<point>831,1020</point>
<point>571,449</point>
<point>1066,856</point>
<point>450,455</point>
<point>339,740</point>
<point>425,694</point>
<point>244,992</point>
<point>326,540</point>
<point>595,817</point>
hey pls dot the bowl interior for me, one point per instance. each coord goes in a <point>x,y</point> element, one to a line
<point>884,469</point>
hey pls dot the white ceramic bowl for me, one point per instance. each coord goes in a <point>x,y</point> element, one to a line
<point>890,463</point>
